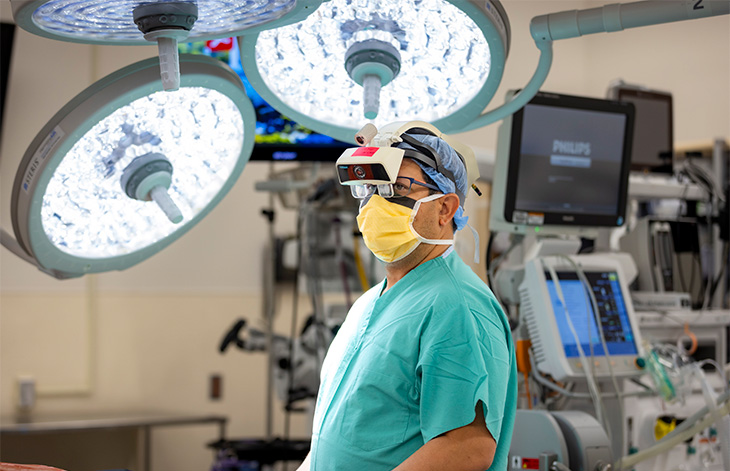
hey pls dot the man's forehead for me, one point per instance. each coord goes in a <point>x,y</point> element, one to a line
<point>409,168</point>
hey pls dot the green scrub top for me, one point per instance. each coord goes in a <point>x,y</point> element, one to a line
<point>412,364</point>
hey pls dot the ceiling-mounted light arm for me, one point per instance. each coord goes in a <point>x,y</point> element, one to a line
<point>617,17</point>
<point>524,96</point>
<point>607,19</point>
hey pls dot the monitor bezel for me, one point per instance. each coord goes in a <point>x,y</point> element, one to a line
<point>542,326</point>
<point>570,218</point>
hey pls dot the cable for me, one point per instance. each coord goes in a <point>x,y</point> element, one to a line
<point>716,282</point>
<point>527,389</point>
<point>488,258</point>
<point>492,267</point>
<point>575,395</point>
<point>592,386</point>
<point>339,257</point>
<point>599,325</point>
<point>294,322</point>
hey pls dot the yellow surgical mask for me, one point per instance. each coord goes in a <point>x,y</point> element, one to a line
<point>387,228</point>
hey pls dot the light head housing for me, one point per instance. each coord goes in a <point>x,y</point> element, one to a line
<point>125,169</point>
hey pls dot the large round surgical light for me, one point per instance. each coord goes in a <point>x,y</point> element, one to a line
<point>350,61</point>
<point>125,168</point>
<point>136,22</point>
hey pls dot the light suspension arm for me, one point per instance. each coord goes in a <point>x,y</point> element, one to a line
<point>606,19</point>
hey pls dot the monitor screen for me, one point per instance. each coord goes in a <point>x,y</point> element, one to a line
<point>653,145</point>
<point>569,162</point>
<point>7,33</point>
<point>612,308</point>
<point>277,137</point>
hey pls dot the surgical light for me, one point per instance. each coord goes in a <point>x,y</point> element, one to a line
<point>136,22</point>
<point>433,60</point>
<point>125,168</point>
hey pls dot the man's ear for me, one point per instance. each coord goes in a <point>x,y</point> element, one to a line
<point>449,205</point>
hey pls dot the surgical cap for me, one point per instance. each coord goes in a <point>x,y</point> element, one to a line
<point>451,162</point>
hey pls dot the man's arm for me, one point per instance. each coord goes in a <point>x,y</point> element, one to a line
<point>466,448</point>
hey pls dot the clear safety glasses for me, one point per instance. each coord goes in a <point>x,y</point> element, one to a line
<point>401,187</point>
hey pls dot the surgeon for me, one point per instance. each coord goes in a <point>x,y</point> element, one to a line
<point>421,375</point>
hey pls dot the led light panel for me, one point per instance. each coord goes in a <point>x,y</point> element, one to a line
<point>111,22</point>
<point>70,208</point>
<point>451,62</point>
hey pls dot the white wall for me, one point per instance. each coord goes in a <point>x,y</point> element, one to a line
<point>156,325</point>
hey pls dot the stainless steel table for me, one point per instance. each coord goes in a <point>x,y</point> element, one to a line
<point>143,421</point>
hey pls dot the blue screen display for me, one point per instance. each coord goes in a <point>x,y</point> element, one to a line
<point>615,323</point>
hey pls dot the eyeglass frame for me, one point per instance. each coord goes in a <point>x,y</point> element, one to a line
<point>386,190</point>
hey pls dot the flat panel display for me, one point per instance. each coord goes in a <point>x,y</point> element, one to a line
<point>653,143</point>
<point>613,313</point>
<point>569,161</point>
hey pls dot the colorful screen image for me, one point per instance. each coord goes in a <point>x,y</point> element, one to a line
<point>278,138</point>
<point>617,331</point>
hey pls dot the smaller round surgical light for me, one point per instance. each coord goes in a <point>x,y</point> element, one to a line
<point>439,61</point>
<point>125,168</point>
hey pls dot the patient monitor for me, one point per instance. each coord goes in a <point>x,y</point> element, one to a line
<point>562,323</point>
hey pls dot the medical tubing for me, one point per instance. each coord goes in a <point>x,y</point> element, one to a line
<point>691,420</point>
<point>524,96</point>
<point>599,325</point>
<point>592,387</point>
<point>576,395</point>
<point>671,440</point>
<point>722,422</point>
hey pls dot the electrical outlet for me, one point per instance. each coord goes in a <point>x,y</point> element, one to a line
<point>216,387</point>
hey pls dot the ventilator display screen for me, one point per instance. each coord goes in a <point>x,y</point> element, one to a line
<point>612,313</point>
<point>569,162</point>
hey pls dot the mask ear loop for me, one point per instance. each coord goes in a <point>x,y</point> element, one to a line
<point>476,243</point>
<point>413,215</point>
<point>474,233</point>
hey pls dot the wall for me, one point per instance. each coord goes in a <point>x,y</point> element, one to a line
<point>155,327</point>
